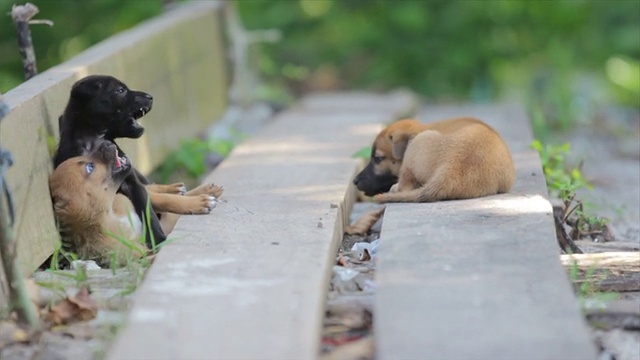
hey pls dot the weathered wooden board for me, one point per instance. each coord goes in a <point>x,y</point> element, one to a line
<point>610,271</point>
<point>178,57</point>
<point>480,278</point>
<point>249,280</point>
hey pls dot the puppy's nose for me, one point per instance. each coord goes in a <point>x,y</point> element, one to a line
<point>148,96</point>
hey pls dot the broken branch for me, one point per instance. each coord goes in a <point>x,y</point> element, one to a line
<point>21,15</point>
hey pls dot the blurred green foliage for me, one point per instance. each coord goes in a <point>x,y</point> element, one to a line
<point>190,157</point>
<point>78,24</point>
<point>562,181</point>
<point>562,57</point>
<point>442,47</point>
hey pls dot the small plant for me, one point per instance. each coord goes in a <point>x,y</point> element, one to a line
<point>191,157</point>
<point>563,182</point>
<point>587,290</point>
<point>585,225</point>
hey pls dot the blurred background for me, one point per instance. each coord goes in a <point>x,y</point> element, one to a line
<point>567,61</point>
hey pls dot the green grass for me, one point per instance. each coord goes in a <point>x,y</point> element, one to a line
<point>136,266</point>
<point>587,291</point>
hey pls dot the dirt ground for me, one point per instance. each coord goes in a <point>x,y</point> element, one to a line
<point>112,293</point>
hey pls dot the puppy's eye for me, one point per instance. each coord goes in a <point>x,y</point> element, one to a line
<point>378,159</point>
<point>120,90</point>
<point>88,168</point>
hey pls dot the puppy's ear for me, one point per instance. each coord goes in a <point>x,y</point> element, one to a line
<point>85,90</point>
<point>399,142</point>
<point>59,205</point>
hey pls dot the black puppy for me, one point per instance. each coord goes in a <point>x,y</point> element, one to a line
<point>102,106</point>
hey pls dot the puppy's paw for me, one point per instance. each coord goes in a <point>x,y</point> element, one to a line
<point>210,189</point>
<point>381,198</point>
<point>205,203</point>
<point>216,190</point>
<point>394,188</point>
<point>177,188</point>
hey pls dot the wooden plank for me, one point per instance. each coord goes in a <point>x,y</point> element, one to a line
<point>611,271</point>
<point>480,278</point>
<point>166,56</point>
<point>249,281</point>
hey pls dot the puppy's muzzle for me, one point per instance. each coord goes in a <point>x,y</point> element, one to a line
<point>371,183</point>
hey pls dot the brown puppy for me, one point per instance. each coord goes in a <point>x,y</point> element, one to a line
<point>458,158</point>
<point>92,215</point>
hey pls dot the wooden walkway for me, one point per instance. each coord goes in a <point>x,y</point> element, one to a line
<point>249,280</point>
<point>477,279</point>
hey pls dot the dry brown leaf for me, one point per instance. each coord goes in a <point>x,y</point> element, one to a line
<point>80,307</point>
<point>342,260</point>
<point>83,330</point>
<point>364,224</point>
<point>11,333</point>
<point>363,348</point>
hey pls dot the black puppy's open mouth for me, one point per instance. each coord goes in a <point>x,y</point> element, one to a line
<point>137,115</point>
<point>140,113</point>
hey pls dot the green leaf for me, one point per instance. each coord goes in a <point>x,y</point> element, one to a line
<point>363,153</point>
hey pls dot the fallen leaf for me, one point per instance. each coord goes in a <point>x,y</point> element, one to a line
<point>342,260</point>
<point>83,331</point>
<point>80,307</point>
<point>364,224</point>
<point>362,348</point>
<point>11,333</point>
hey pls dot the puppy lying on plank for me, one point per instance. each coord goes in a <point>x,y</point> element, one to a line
<point>451,159</point>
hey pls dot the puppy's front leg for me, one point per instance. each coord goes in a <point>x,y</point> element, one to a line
<point>185,205</point>
<point>168,221</point>
<point>208,189</point>
<point>177,188</point>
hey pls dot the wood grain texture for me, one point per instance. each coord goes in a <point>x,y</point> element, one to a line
<point>610,271</point>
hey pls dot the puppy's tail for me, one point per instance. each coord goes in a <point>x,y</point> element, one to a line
<point>422,194</point>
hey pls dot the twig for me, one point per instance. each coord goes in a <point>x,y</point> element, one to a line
<point>566,243</point>
<point>572,210</point>
<point>21,15</point>
<point>567,207</point>
<point>18,295</point>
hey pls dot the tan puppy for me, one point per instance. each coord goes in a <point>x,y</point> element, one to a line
<point>458,158</point>
<point>91,214</point>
